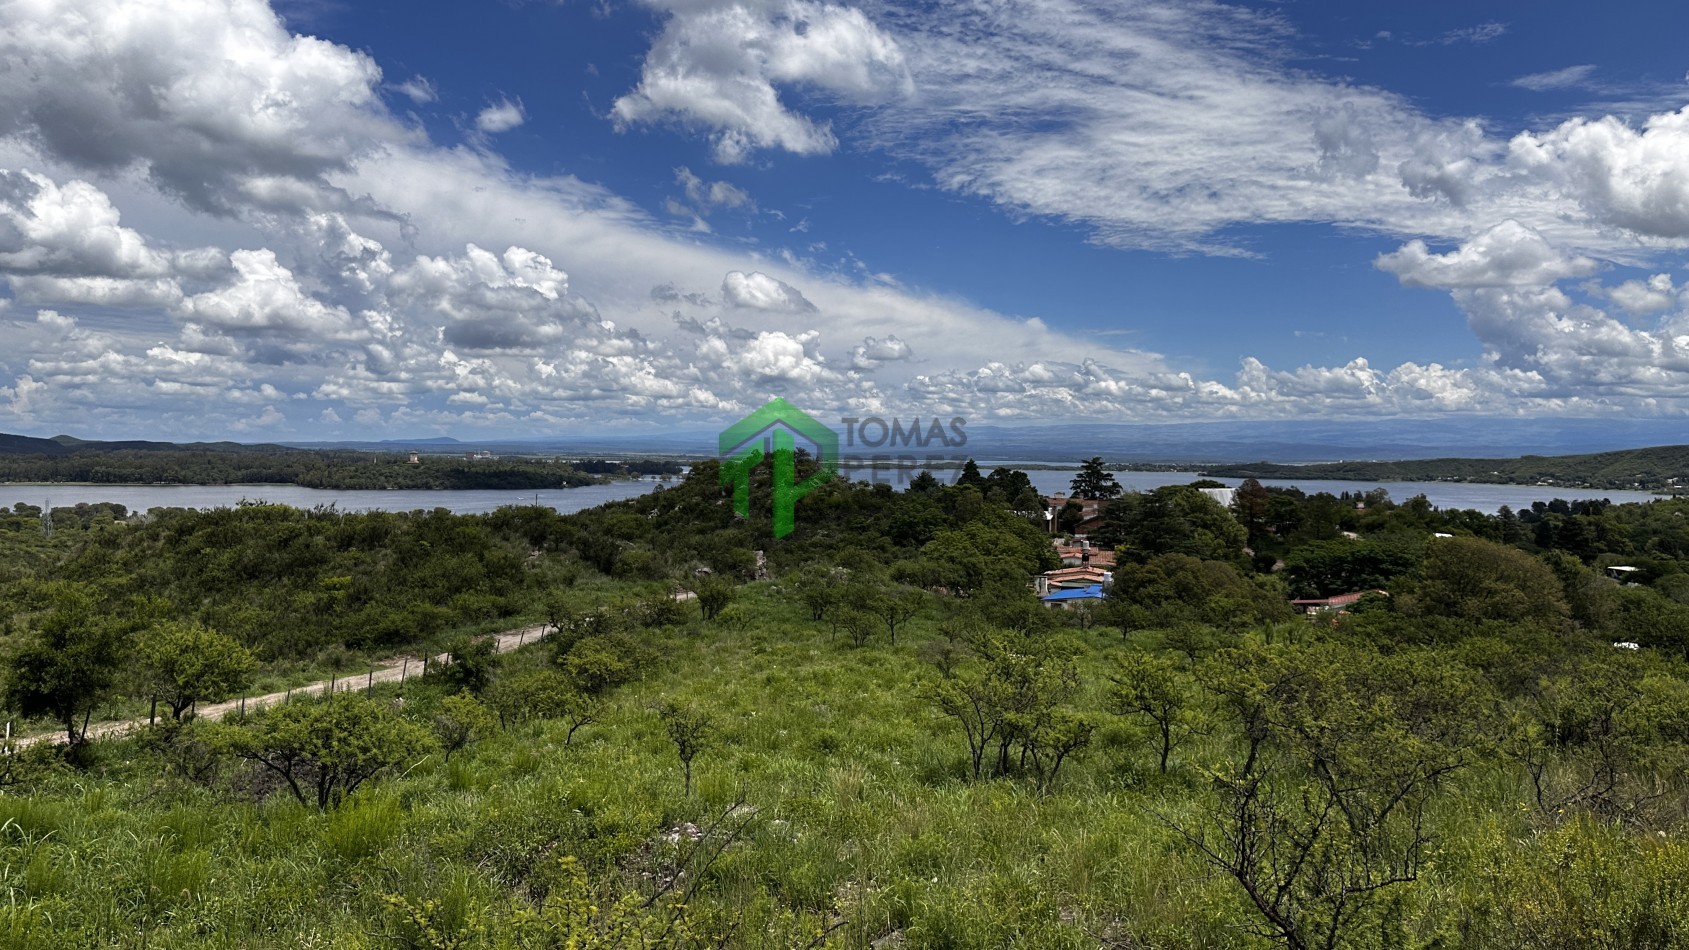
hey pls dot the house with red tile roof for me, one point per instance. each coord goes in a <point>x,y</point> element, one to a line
<point>1071,578</point>
<point>1090,512</point>
<point>1081,552</point>
<point>1339,603</point>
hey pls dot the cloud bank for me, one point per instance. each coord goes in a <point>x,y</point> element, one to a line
<point>210,223</point>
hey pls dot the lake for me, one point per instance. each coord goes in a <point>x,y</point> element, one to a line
<point>142,497</point>
<point>1485,498</point>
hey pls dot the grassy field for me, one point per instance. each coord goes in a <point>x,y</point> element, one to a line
<point>838,797</point>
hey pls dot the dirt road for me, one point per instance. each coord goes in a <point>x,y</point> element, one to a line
<point>387,671</point>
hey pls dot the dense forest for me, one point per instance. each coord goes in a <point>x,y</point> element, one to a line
<point>1658,468</point>
<point>317,469</point>
<point>868,733</point>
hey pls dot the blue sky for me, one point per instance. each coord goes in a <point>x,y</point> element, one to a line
<point>328,220</point>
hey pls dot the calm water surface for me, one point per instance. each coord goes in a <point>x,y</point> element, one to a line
<point>142,497</point>
<point>1485,498</point>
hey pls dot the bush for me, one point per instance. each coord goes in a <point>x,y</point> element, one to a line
<point>325,750</point>
<point>598,664</point>
<point>714,594</point>
<point>661,610</point>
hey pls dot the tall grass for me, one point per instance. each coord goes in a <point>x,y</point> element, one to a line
<point>858,814</point>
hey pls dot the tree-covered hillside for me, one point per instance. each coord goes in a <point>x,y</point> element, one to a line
<point>337,470</point>
<point>1660,468</point>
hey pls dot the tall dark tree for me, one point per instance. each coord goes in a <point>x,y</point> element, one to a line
<point>1004,485</point>
<point>924,483</point>
<point>1094,481</point>
<point>1252,504</point>
<point>1173,519</point>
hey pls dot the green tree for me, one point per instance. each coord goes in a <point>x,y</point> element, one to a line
<point>1472,579</point>
<point>1252,504</point>
<point>690,729</point>
<point>471,660</point>
<point>1346,565</point>
<point>1011,701</point>
<point>714,594</point>
<point>598,664</point>
<point>819,587</point>
<point>859,626</point>
<point>1172,589</point>
<point>1094,481</point>
<point>560,608</point>
<point>1335,756</point>
<point>1004,485</point>
<point>896,606</point>
<point>1173,519</point>
<point>181,664</point>
<point>68,663</point>
<point>326,750</point>
<point>970,476</point>
<point>1154,688</point>
<point>1051,736</point>
<point>544,694</point>
<point>460,720</point>
<point>995,546</point>
<point>924,483</point>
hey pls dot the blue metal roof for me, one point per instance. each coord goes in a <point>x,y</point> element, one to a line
<point>1093,592</point>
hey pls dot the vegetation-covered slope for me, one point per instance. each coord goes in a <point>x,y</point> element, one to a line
<point>1658,468</point>
<point>311,469</point>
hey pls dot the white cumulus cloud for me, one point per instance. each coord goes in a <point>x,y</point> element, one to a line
<point>721,68</point>
<point>501,116</point>
<point>758,291</point>
<point>1509,254</point>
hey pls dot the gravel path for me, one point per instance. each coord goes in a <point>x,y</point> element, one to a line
<point>388,671</point>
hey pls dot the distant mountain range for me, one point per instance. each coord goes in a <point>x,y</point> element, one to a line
<point>1290,441</point>
<point>1193,443</point>
<point>70,445</point>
